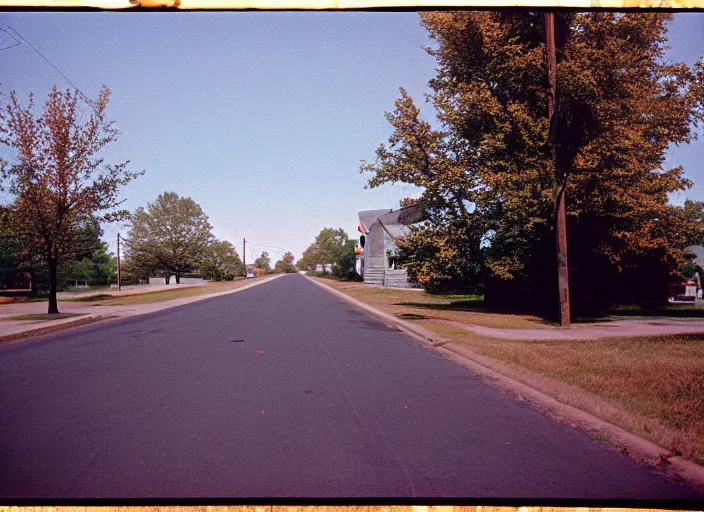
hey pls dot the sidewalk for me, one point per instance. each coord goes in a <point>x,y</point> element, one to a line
<point>615,329</point>
<point>12,330</point>
<point>136,289</point>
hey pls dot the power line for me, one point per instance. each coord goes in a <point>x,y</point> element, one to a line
<point>276,249</point>
<point>17,43</point>
<point>47,60</point>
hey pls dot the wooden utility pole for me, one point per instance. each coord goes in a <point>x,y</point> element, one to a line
<point>563,282</point>
<point>119,282</point>
<point>244,256</point>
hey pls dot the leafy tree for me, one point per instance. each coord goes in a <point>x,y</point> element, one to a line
<point>690,266</point>
<point>285,264</point>
<point>488,174</point>
<point>222,262</point>
<point>171,236</point>
<point>104,265</point>
<point>329,246</point>
<point>343,265</point>
<point>263,261</point>
<point>59,181</point>
<point>440,259</point>
<point>81,271</point>
<point>98,269</point>
<point>309,259</point>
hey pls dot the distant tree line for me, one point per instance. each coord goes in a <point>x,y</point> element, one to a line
<point>333,248</point>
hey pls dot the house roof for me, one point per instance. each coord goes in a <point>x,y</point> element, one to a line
<point>396,230</point>
<point>367,218</point>
<point>403,216</point>
<point>698,250</point>
<point>395,222</point>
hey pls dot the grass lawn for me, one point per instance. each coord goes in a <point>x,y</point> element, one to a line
<point>164,295</point>
<point>468,309</point>
<point>91,298</point>
<point>41,316</point>
<point>650,386</point>
<point>683,311</point>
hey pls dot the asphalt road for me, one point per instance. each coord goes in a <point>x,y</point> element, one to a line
<point>281,390</point>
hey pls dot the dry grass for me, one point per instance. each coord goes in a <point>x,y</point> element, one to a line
<point>460,308</point>
<point>650,386</point>
<point>164,295</point>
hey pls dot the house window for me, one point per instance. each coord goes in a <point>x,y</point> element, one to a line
<point>392,259</point>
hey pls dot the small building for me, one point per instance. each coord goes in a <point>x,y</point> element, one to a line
<point>684,292</point>
<point>377,262</point>
<point>18,284</point>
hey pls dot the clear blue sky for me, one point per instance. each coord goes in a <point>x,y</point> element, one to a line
<point>261,118</point>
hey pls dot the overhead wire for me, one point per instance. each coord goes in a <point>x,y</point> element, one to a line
<point>275,249</point>
<point>83,96</point>
<point>17,43</point>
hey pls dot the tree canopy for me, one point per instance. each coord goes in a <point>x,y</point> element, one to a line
<point>221,262</point>
<point>488,174</point>
<point>100,268</point>
<point>171,236</point>
<point>60,183</point>
<point>263,261</point>
<point>285,264</point>
<point>331,247</point>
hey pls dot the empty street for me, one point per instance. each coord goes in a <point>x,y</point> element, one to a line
<point>281,390</point>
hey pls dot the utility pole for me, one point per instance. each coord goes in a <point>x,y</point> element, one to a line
<point>561,224</point>
<point>244,256</point>
<point>119,283</point>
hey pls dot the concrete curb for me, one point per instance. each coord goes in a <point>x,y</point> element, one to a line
<point>54,327</point>
<point>88,318</point>
<point>638,448</point>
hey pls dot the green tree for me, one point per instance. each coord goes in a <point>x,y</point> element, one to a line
<point>263,261</point>
<point>343,266</point>
<point>285,264</point>
<point>171,236</point>
<point>329,246</point>
<point>100,268</point>
<point>222,262</point>
<point>81,271</point>
<point>488,174</point>
<point>58,178</point>
<point>308,260</point>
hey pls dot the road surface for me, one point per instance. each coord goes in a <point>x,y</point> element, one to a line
<point>280,391</point>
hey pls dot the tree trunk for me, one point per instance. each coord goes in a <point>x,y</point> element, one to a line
<point>167,279</point>
<point>178,278</point>
<point>53,267</point>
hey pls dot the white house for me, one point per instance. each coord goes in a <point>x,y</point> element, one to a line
<point>380,230</point>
